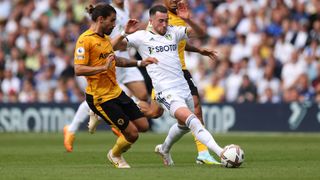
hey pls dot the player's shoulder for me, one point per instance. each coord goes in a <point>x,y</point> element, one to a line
<point>87,35</point>
<point>172,28</point>
<point>139,33</point>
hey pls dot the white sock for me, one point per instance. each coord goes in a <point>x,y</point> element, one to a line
<point>80,116</point>
<point>202,134</point>
<point>175,133</point>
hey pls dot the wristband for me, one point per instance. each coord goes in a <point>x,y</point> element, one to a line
<point>123,33</point>
<point>139,63</point>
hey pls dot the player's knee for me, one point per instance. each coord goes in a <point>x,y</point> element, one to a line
<point>141,124</point>
<point>157,113</point>
<point>132,136</point>
<point>143,127</point>
<point>131,133</point>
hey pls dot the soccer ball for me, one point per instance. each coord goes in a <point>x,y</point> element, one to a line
<point>232,156</point>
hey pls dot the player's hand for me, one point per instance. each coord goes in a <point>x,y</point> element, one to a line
<point>149,60</point>
<point>182,10</point>
<point>210,53</point>
<point>111,57</point>
<point>131,26</point>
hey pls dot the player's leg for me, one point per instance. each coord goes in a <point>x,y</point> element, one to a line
<point>204,156</point>
<point>113,113</point>
<point>180,109</point>
<point>136,117</point>
<point>185,115</point>
<point>151,110</point>
<point>138,90</point>
<point>176,131</point>
<point>70,130</point>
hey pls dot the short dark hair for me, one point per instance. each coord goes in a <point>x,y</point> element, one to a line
<point>158,8</point>
<point>100,9</point>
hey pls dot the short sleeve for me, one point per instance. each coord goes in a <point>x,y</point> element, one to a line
<point>134,39</point>
<point>81,53</point>
<point>181,32</point>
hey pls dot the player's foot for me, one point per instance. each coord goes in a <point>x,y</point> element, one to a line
<point>68,139</point>
<point>117,162</point>
<point>116,131</point>
<point>93,122</point>
<point>166,157</point>
<point>206,158</point>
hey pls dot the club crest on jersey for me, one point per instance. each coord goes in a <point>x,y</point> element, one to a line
<point>80,50</point>
<point>168,36</point>
<point>120,121</point>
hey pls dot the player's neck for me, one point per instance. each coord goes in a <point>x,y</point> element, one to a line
<point>95,28</point>
<point>153,31</point>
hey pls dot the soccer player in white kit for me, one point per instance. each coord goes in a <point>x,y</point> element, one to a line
<point>130,77</point>
<point>172,90</point>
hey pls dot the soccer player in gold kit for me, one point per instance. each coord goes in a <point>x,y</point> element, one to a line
<point>94,58</point>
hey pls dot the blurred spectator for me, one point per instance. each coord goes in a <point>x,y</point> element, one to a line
<point>10,84</point>
<point>239,50</point>
<point>268,96</point>
<point>268,81</point>
<point>292,70</point>
<point>28,94</point>
<point>306,92</point>
<point>46,83</point>
<point>233,83</point>
<point>247,91</point>
<point>282,49</point>
<point>213,92</point>
<point>290,95</point>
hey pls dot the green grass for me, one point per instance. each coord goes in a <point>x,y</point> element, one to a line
<point>268,156</point>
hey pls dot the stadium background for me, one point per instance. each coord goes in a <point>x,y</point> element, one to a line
<point>268,58</point>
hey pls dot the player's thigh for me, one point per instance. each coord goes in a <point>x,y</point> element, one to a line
<point>173,99</point>
<point>111,111</point>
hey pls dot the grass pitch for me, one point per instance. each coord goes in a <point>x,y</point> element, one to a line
<point>268,156</point>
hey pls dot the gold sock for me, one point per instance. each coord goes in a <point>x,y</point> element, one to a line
<point>200,147</point>
<point>121,146</point>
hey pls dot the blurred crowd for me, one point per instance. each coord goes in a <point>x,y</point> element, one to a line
<point>268,50</point>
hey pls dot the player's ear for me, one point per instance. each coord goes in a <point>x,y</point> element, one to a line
<point>100,19</point>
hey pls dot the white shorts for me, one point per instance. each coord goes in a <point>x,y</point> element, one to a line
<point>127,75</point>
<point>177,96</point>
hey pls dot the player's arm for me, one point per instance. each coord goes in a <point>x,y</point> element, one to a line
<point>123,62</point>
<point>86,70</point>
<point>203,51</point>
<point>194,30</point>
<point>118,43</point>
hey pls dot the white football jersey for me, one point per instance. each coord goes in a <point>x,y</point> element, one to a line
<point>121,21</point>
<point>167,73</point>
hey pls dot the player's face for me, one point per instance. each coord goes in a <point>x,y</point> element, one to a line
<point>160,22</point>
<point>108,24</point>
<point>171,4</point>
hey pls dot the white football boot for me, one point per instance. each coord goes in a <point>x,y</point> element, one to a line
<point>117,162</point>
<point>166,157</point>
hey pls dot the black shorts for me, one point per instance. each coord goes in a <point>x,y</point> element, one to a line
<point>193,88</point>
<point>118,111</point>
